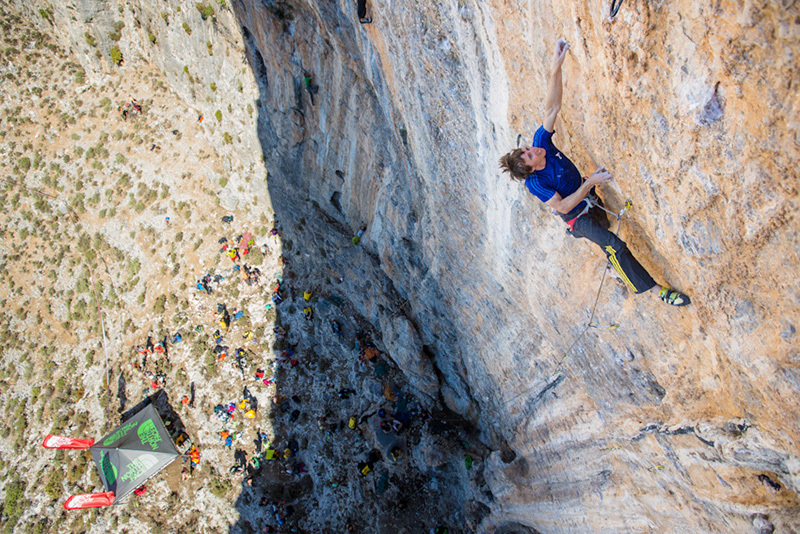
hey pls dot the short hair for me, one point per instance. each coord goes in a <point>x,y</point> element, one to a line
<point>512,164</point>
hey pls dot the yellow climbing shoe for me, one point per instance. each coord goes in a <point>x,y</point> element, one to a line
<point>672,297</point>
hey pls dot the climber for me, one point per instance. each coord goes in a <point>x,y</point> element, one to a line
<point>312,89</point>
<point>553,178</point>
<point>357,238</point>
<point>362,12</point>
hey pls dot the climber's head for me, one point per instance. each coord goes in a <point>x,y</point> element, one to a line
<point>521,162</point>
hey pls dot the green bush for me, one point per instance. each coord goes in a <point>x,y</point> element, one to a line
<point>210,50</point>
<point>187,28</point>
<point>211,364</point>
<point>213,86</point>
<point>218,115</point>
<point>90,40</point>
<point>24,163</point>
<point>116,55</point>
<point>14,502</point>
<point>114,36</point>
<point>219,486</point>
<point>152,37</point>
<point>206,10</point>
<point>54,488</point>
<point>160,304</point>
<point>227,139</point>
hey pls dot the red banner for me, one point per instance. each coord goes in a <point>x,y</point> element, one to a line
<point>63,442</point>
<point>89,500</point>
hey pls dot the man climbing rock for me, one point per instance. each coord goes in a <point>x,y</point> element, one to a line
<point>554,179</point>
<point>310,86</point>
<point>362,12</point>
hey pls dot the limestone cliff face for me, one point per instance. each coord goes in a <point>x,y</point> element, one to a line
<point>661,425</point>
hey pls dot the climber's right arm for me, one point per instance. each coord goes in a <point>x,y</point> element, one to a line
<point>567,204</point>
<point>554,91</point>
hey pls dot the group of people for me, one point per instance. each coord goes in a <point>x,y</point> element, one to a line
<point>129,107</point>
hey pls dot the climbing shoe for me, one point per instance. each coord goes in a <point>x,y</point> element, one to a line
<point>672,297</point>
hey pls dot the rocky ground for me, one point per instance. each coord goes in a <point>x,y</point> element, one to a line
<point>107,226</point>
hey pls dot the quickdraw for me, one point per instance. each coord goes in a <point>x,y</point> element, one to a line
<point>615,5</point>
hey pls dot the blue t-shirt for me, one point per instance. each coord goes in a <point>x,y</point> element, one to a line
<point>559,174</point>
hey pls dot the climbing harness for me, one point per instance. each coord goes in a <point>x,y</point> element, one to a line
<point>592,202</point>
<point>615,5</point>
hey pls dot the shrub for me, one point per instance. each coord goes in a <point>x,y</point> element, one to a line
<point>211,361</point>
<point>210,51</point>
<point>213,86</point>
<point>226,138</point>
<point>187,28</point>
<point>116,55</point>
<point>24,163</point>
<point>80,76</point>
<point>218,115</point>
<point>219,486</point>
<point>90,40</point>
<point>206,10</point>
<point>54,487</point>
<point>114,36</point>
<point>152,37</point>
<point>14,502</point>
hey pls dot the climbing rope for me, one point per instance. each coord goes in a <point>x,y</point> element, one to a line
<point>615,5</point>
<point>560,367</point>
<point>75,220</point>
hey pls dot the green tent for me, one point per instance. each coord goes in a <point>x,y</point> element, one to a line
<point>133,452</point>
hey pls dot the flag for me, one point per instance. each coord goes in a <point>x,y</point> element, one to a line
<point>63,442</point>
<point>89,500</point>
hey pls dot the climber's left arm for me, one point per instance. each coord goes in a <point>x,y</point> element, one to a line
<point>554,91</point>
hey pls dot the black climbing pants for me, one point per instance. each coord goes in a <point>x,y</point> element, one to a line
<point>591,226</point>
<point>362,9</point>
